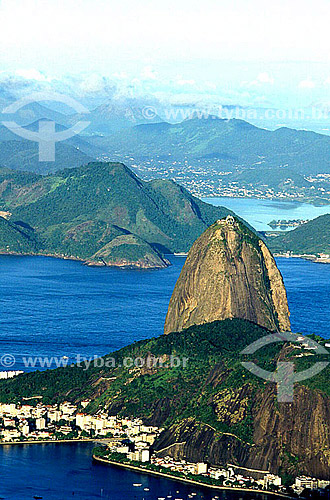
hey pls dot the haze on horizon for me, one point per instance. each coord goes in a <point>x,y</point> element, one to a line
<point>246,52</point>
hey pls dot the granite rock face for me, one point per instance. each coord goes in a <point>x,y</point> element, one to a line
<point>229,273</point>
<point>291,437</point>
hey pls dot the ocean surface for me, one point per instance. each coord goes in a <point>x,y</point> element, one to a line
<point>50,308</point>
<point>260,212</point>
<point>66,471</point>
<point>54,308</point>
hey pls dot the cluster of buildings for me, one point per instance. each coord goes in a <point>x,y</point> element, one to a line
<point>180,465</point>
<point>304,482</point>
<point>208,177</point>
<point>129,437</point>
<point>67,420</point>
<point>133,439</point>
<point>321,258</point>
<point>10,374</point>
<point>228,476</point>
<point>285,224</point>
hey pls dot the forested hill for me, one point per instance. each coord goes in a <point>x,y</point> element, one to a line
<point>78,212</point>
<point>234,142</point>
<point>211,407</point>
<point>310,238</point>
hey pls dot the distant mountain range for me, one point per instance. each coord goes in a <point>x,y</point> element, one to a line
<point>32,113</point>
<point>209,156</point>
<point>227,154</point>
<point>21,154</point>
<point>102,214</point>
<point>114,115</point>
<point>235,142</point>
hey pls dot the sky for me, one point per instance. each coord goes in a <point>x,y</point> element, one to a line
<point>244,52</point>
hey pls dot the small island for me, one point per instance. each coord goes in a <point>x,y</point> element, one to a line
<point>286,224</point>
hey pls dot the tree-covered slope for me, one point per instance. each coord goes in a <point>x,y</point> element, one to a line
<point>310,238</point>
<point>234,142</point>
<point>17,238</point>
<point>193,384</point>
<point>77,212</point>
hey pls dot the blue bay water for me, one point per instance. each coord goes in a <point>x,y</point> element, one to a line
<point>51,307</point>
<point>260,212</point>
<point>66,471</point>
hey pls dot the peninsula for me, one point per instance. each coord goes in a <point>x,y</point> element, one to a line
<point>101,214</point>
<point>189,387</point>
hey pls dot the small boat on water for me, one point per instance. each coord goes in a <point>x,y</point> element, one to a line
<point>137,484</point>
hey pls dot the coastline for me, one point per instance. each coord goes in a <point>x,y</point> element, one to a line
<point>309,201</point>
<point>187,481</point>
<point>86,262</point>
<point>311,258</point>
<point>52,441</point>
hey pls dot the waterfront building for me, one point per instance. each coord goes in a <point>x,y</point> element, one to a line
<point>303,482</point>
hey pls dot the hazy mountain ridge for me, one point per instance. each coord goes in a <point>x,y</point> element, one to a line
<point>236,142</point>
<point>218,157</point>
<point>21,154</point>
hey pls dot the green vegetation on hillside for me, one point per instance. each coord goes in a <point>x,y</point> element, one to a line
<point>78,212</point>
<point>310,238</point>
<point>193,385</point>
<point>201,370</point>
<point>16,238</point>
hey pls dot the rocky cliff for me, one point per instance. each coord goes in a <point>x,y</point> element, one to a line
<point>292,438</point>
<point>212,408</point>
<point>229,273</point>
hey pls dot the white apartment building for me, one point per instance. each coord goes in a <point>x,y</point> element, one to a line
<point>54,415</point>
<point>303,482</point>
<point>10,434</point>
<point>8,409</point>
<point>40,423</point>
